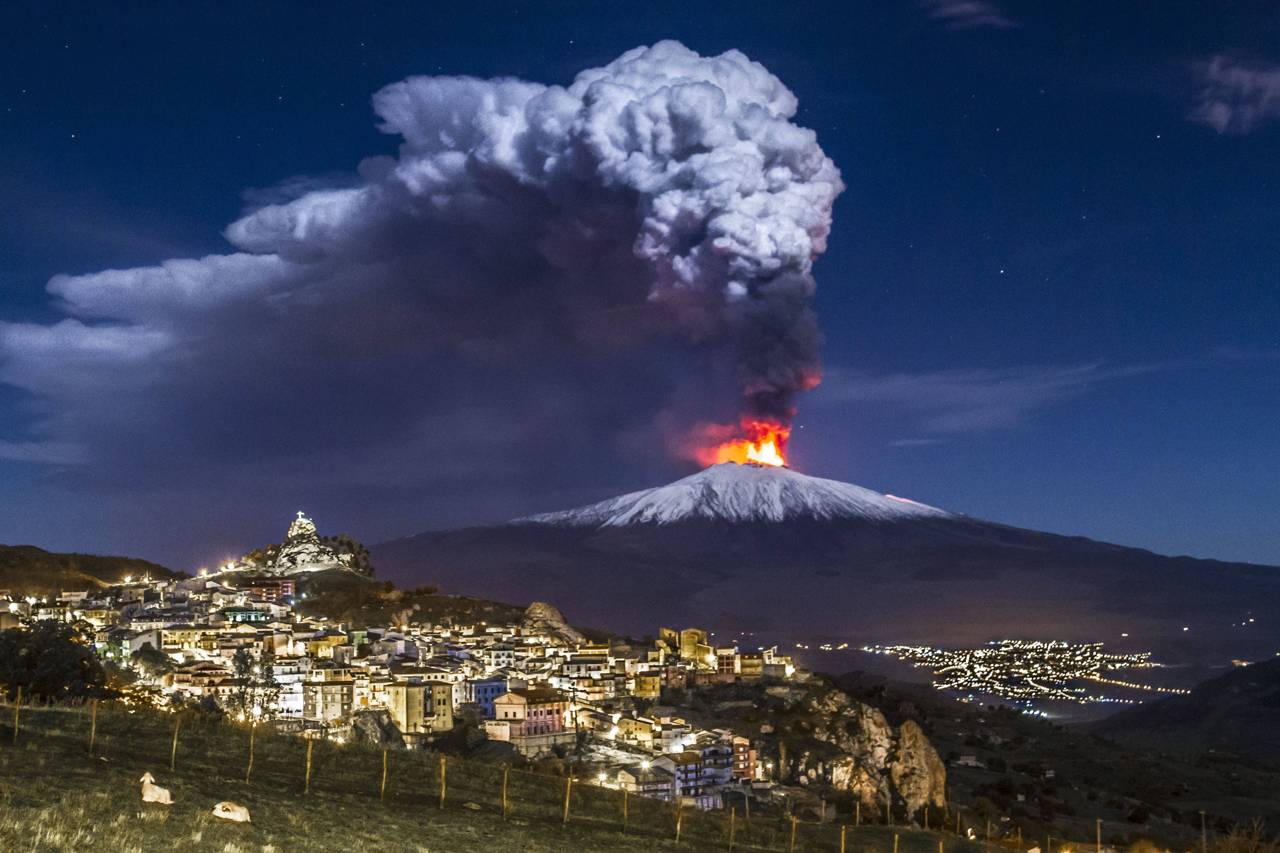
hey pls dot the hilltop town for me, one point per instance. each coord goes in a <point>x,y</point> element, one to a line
<point>302,638</point>
<point>237,641</point>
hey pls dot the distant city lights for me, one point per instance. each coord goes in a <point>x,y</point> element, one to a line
<point>1023,670</point>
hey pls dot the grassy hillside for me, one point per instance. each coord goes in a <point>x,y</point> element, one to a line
<point>29,570</point>
<point>1052,779</point>
<point>362,602</point>
<point>1234,714</point>
<point>55,796</point>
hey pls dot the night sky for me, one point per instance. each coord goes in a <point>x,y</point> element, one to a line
<point>1050,297</point>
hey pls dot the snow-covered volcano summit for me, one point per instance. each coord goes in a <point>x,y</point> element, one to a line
<point>741,493</point>
<point>752,548</point>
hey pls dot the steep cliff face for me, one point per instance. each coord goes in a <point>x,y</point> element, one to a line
<point>812,734</point>
<point>861,771</point>
<point>877,764</point>
<point>918,774</point>
<point>865,740</point>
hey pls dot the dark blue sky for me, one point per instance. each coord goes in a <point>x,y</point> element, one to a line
<point>1051,295</point>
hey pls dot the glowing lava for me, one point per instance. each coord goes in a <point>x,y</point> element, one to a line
<point>764,444</point>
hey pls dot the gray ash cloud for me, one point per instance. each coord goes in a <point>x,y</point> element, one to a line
<point>571,258</point>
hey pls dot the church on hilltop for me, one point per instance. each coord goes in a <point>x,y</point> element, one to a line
<point>304,550</point>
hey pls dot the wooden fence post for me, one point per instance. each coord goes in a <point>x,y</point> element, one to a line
<point>926,817</point>
<point>444,780</point>
<point>568,786</point>
<point>843,829</point>
<point>93,725</point>
<point>173,750</point>
<point>857,813</point>
<point>306,784</point>
<point>733,819</point>
<point>791,848</point>
<point>17,711</point>
<point>625,816</point>
<point>679,819</point>
<point>895,842</point>
<point>248,770</point>
<point>957,823</point>
<point>382,789</point>
<point>506,770</point>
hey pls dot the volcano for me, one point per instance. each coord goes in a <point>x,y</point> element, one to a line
<point>771,551</point>
<point>740,494</point>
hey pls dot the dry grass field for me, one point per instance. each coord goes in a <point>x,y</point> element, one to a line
<point>54,795</point>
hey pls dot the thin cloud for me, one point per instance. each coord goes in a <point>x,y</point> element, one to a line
<point>41,452</point>
<point>917,442</point>
<point>973,400</point>
<point>968,14</point>
<point>295,187</point>
<point>1234,97</point>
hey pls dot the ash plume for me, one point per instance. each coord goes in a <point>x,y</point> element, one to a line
<point>558,248</point>
<point>691,163</point>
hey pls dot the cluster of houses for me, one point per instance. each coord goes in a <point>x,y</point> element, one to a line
<point>235,640</point>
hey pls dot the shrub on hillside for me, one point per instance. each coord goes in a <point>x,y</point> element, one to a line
<point>51,661</point>
<point>1247,839</point>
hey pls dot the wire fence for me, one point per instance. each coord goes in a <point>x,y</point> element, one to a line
<point>257,755</point>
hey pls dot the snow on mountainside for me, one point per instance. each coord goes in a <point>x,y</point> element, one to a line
<point>740,493</point>
<point>768,550</point>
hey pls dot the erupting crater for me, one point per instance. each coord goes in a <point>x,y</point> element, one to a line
<point>761,443</point>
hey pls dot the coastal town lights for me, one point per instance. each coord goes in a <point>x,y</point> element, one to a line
<point>1028,669</point>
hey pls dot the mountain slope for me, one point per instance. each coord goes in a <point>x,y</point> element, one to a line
<point>29,570</point>
<point>1238,712</point>
<point>741,493</point>
<point>791,557</point>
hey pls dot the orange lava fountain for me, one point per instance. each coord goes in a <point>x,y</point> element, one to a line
<point>765,443</point>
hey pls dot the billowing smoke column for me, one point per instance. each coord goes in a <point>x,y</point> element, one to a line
<point>692,162</point>
<point>521,230</point>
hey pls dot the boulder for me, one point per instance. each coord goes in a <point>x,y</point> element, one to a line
<point>376,728</point>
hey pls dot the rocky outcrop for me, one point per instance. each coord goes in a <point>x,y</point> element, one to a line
<point>918,774</point>
<point>305,550</point>
<point>376,728</point>
<point>875,763</point>
<point>866,739</point>
<point>544,619</point>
